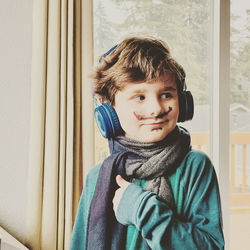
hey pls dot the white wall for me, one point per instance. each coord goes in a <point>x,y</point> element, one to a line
<point>15,70</point>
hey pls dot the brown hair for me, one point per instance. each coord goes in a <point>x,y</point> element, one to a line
<point>135,59</point>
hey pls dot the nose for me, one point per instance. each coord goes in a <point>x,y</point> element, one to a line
<point>155,107</point>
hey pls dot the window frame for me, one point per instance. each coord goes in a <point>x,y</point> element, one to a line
<point>219,115</point>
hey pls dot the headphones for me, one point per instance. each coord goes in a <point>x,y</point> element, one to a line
<point>186,106</point>
<point>108,121</point>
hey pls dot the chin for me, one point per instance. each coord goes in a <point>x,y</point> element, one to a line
<point>157,135</point>
<point>149,136</point>
<point>153,138</point>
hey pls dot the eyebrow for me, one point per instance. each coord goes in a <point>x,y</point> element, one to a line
<point>141,91</point>
<point>138,91</point>
<point>169,88</point>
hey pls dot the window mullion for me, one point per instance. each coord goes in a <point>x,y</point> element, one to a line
<point>220,103</point>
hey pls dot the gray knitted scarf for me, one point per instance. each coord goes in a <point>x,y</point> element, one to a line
<point>156,161</point>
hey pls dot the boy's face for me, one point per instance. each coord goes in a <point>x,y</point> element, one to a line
<point>148,112</point>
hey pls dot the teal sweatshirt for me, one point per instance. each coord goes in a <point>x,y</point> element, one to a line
<point>195,223</point>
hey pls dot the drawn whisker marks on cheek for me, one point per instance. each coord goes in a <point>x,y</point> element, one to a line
<point>165,113</point>
<point>140,117</point>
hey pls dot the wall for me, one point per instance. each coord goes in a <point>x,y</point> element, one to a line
<point>15,70</point>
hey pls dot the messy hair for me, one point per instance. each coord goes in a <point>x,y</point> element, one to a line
<point>135,59</point>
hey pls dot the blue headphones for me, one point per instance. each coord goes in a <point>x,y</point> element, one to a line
<point>108,121</point>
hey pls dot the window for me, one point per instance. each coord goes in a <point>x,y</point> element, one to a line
<point>197,32</point>
<point>240,124</point>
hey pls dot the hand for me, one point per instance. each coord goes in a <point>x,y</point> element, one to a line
<point>119,192</point>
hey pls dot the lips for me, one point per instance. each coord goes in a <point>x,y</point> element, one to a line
<point>156,123</point>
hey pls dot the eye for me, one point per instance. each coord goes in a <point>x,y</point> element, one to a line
<point>139,98</point>
<point>166,95</point>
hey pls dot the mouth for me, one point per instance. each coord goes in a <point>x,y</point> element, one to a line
<point>156,123</point>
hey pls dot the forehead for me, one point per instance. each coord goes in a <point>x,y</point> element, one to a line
<point>154,85</point>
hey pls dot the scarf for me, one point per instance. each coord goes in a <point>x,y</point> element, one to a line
<point>131,159</point>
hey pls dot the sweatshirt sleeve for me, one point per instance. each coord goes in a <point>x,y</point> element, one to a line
<point>78,237</point>
<point>200,225</point>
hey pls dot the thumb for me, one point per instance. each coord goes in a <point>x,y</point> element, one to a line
<point>121,182</point>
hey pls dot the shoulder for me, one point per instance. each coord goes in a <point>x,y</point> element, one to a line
<point>196,156</point>
<point>92,176</point>
<point>196,165</point>
<point>90,184</point>
<point>195,159</point>
<point>94,171</point>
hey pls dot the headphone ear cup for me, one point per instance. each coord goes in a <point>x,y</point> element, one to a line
<point>107,121</point>
<point>186,106</point>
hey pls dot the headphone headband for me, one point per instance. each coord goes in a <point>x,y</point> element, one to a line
<point>107,53</point>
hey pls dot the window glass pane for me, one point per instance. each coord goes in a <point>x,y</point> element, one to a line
<point>185,25</point>
<point>240,125</point>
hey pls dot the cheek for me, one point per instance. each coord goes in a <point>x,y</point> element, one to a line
<point>127,113</point>
<point>130,119</point>
<point>126,118</point>
<point>175,109</point>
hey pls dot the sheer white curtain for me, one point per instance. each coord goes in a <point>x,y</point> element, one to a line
<point>55,166</point>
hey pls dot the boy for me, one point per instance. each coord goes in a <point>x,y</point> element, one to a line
<point>153,191</point>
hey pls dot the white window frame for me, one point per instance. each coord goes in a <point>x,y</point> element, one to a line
<point>220,123</point>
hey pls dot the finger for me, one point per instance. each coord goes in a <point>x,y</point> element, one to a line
<point>121,182</point>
